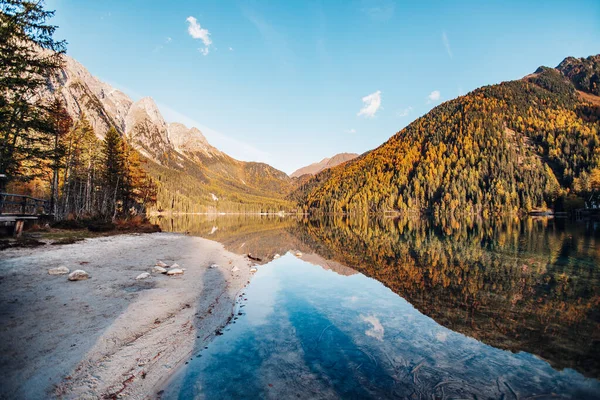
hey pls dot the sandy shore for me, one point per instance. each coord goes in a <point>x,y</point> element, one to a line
<point>111,336</point>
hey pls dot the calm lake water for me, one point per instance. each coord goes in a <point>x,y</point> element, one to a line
<point>406,308</point>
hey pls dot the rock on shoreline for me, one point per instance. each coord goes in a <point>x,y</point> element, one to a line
<point>62,270</point>
<point>78,275</point>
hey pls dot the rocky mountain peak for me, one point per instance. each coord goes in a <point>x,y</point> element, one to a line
<point>583,72</point>
<point>148,106</point>
<point>83,93</point>
<point>147,130</point>
<point>189,140</point>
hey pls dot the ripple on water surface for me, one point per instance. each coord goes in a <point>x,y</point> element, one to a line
<point>307,332</point>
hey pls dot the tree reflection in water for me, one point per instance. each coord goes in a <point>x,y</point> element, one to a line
<point>515,284</point>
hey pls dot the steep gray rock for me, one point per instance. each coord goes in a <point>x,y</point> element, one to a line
<point>189,140</point>
<point>146,129</point>
<point>173,146</point>
<point>83,93</point>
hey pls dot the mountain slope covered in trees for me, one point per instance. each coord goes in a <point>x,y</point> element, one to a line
<point>190,174</point>
<point>515,146</point>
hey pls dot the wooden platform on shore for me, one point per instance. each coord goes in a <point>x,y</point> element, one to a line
<point>17,220</point>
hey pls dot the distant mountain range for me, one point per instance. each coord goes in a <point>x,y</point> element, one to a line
<point>518,145</point>
<point>325,163</point>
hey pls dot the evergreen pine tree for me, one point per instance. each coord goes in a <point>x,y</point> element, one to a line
<point>113,172</point>
<point>28,55</point>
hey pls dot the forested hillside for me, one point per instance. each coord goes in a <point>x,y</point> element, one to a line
<point>43,150</point>
<point>68,137</point>
<point>513,147</point>
<point>193,176</point>
<point>219,184</point>
<point>516,146</point>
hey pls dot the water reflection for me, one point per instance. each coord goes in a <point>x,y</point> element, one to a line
<point>530,287</point>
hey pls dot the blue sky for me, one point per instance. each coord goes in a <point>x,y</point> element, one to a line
<point>284,81</point>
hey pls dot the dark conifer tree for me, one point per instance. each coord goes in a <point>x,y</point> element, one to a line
<point>28,56</point>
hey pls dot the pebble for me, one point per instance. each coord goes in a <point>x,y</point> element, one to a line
<point>78,275</point>
<point>214,266</point>
<point>59,270</point>
<point>174,266</point>
<point>298,254</point>
<point>175,271</point>
<point>276,256</point>
<point>161,264</point>
<point>144,275</point>
<point>253,269</point>
<point>235,269</point>
<point>159,269</point>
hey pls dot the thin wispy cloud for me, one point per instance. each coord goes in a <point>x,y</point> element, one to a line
<point>275,40</point>
<point>434,96</point>
<point>378,10</point>
<point>162,46</point>
<point>446,43</point>
<point>321,35</point>
<point>231,49</point>
<point>371,103</point>
<point>197,32</point>
<point>406,112</point>
<point>351,130</point>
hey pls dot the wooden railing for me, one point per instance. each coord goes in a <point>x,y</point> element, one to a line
<point>18,204</point>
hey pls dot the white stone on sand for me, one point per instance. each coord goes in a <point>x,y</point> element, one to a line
<point>78,275</point>
<point>59,270</point>
<point>175,271</point>
<point>143,275</point>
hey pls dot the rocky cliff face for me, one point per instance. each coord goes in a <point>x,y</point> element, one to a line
<point>140,122</point>
<point>187,166</point>
<point>189,140</point>
<point>146,129</point>
<point>83,93</point>
<point>583,72</point>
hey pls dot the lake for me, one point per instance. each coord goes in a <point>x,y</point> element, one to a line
<point>404,308</point>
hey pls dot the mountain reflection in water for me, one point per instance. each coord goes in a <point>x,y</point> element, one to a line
<point>528,286</point>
